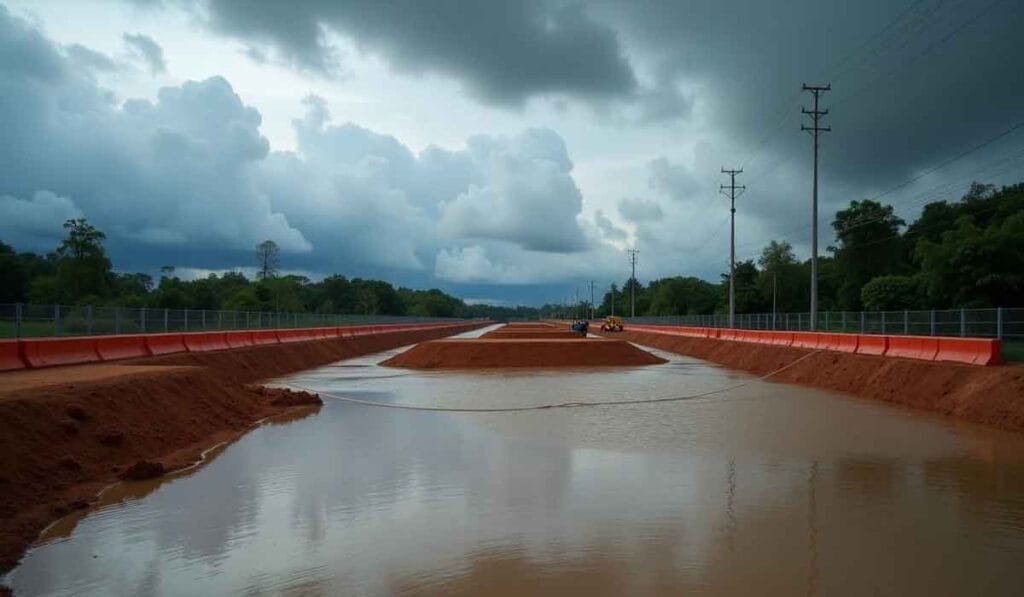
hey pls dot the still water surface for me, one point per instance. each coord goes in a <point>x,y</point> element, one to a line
<point>768,490</point>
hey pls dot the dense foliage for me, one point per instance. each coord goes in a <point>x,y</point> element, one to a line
<point>966,253</point>
<point>78,272</point>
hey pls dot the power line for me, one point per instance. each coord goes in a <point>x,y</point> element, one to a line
<point>927,50</point>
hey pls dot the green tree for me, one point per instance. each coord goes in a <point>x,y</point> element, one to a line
<point>868,245</point>
<point>783,278</point>
<point>83,267</point>
<point>975,267</point>
<point>890,293</point>
<point>682,296</point>
<point>14,278</point>
<point>748,296</point>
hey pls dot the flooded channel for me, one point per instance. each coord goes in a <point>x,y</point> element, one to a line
<point>768,489</point>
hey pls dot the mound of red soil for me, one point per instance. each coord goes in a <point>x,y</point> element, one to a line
<point>988,395</point>
<point>67,432</point>
<point>538,334</point>
<point>498,353</point>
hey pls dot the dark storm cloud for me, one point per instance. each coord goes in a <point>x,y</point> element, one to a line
<point>503,52</point>
<point>912,81</point>
<point>89,59</point>
<point>147,50</point>
<point>188,179</point>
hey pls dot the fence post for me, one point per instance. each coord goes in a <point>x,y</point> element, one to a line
<point>56,320</point>
<point>202,314</point>
<point>117,320</point>
<point>862,322</point>
<point>166,313</point>
<point>828,327</point>
<point>17,320</point>
<point>220,319</point>
<point>142,319</point>
<point>931,321</point>
<point>963,322</point>
<point>843,322</point>
<point>88,320</point>
<point>883,322</point>
<point>999,323</point>
<point>799,321</point>
<point>906,322</point>
<point>186,320</point>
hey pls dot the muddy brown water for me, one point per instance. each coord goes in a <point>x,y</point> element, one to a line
<point>769,490</point>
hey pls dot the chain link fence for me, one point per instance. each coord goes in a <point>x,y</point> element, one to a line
<point>24,321</point>
<point>1002,323</point>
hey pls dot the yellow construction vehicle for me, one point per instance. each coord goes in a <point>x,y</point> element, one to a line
<point>612,323</point>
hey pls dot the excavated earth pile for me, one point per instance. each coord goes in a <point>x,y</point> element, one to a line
<point>67,432</point>
<point>988,395</point>
<point>538,353</point>
<point>538,334</point>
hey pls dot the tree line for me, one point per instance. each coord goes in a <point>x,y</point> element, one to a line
<point>78,272</point>
<point>965,253</point>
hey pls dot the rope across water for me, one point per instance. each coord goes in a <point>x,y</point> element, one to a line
<point>512,409</point>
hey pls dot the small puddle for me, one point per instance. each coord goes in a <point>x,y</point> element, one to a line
<point>768,490</point>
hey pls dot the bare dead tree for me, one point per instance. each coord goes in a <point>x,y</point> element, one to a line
<point>267,253</point>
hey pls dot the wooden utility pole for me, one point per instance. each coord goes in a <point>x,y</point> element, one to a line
<point>732,191</point>
<point>815,130</point>
<point>632,282</point>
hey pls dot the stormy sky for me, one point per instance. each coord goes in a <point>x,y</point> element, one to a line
<point>502,151</point>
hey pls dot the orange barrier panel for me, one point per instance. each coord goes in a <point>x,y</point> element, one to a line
<point>47,352</point>
<point>974,351</point>
<point>805,340</point>
<point>205,341</point>
<point>111,348</point>
<point>923,348</point>
<point>238,339</point>
<point>261,337</point>
<point>10,355</point>
<point>158,344</point>
<point>845,342</point>
<point>782,338</point>
<point>872,344</point>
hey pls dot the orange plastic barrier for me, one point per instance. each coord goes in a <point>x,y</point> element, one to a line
<point>913,347</point>
<point>47,352</point>
<point>111,348</point>
<point>10,355</point>
<point>844,342</point>
<point>782,338</point>
<point>205,341</point>
<point>158,344</point>
<point>872,344</point>
<point>973,351</point>
<point>238,339</point>
<point>261,337</point>
<point>805,340</point>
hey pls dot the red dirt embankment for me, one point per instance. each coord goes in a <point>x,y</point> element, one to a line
<point>504,353</point>
<point>537,334</point>
<point>67,432</point>
<point>988,395</point>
